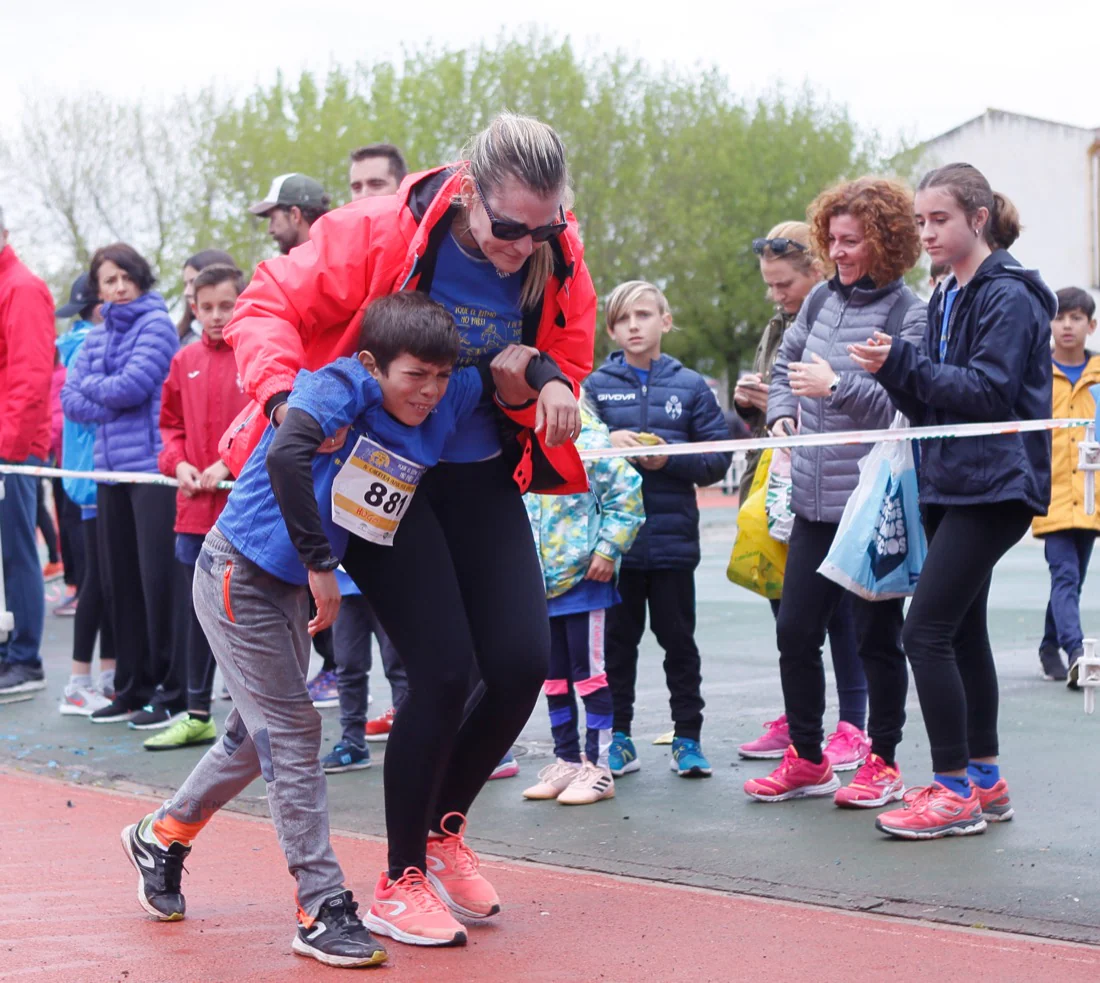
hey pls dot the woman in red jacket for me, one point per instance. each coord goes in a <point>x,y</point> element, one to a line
<point>491,240</point>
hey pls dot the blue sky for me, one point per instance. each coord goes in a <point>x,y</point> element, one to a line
<point>916,67</point>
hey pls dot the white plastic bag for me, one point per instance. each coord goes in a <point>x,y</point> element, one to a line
<point>880,545</point>
<point>777,498</point>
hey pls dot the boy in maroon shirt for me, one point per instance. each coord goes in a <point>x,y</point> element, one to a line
<point>201,398</point>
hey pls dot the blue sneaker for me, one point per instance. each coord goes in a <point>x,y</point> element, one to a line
<point>688,759</point>
<point>345,757</point>
<point>622,759</point>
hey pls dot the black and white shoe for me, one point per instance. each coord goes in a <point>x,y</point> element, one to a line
<point>159,870</point>
<point>151,717</point>
<point>113,713</point>
<point>336,937</point>
<point>1074,673</point>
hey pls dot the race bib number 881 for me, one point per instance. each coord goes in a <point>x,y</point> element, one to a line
<point>372,491</point>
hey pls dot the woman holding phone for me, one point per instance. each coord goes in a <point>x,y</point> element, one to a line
<point>790,271</point>
<point>864,230</point>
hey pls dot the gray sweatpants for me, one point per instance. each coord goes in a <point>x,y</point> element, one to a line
<point>256,625</point>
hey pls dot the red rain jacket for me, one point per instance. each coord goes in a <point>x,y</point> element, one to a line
<point>28,339</point>
<point>304,310</point>
<point>200,399</point>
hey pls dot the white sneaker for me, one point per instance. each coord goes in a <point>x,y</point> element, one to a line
<point>81,701</point>
<point>553,780</point>
<point>591,785</point>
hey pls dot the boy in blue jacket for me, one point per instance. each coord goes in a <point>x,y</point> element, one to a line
<point>645,397</point>
<point>357,436</point>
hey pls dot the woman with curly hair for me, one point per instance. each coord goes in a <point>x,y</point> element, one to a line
<point>984,355</point>
<point>864,230</point>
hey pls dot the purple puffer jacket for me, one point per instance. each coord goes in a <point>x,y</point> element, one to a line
<point>116,382</point>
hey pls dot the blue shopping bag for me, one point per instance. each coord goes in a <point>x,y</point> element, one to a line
<point>880,546</point>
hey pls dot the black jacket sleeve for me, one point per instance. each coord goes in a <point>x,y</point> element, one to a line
<point>290,468</point>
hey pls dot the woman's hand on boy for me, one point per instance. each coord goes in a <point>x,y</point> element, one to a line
<point>214,475</point>
<point>326,597</point>
<point>509,370</point>
<point>600,569</point>
<point>330,445</point>
<point>557,414</point>
<point>189,478</point>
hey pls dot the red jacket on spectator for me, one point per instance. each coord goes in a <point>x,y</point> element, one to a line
<point>57,416</point>
<point>28,338</point>
<point>201,397</point>
<point>304,310</point>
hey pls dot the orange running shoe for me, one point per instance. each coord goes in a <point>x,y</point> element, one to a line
<point>453,872</point>
<point>410,911</point>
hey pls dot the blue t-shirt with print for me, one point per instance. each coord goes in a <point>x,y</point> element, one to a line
<point>487,311</point>
<point>341,394</point>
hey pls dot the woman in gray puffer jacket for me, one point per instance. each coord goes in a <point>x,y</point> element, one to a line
<point>866,230</point>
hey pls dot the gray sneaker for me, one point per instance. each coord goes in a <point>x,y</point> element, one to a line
<point>20,681</point>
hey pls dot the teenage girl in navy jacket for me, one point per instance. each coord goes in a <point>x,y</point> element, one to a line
<point>985,357</point>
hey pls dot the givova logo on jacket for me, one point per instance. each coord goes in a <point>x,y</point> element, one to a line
<point>673,407</point>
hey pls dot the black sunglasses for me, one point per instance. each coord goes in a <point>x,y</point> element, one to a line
<point>777,246</point>
<point>511,231</point>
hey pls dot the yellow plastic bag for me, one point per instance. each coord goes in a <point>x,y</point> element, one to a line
<point>757,561</point>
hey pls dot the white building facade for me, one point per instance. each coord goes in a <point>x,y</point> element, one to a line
<point>1051,172</point>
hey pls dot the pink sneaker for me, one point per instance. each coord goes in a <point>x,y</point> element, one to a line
<point>847,747</point>
<point>875,784</point>
<point>795,778</point>
<point>932,812</point>
<point>772,744</point>
<point>410,911</point>
<point>453,872</point>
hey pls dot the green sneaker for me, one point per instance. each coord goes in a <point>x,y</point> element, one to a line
<point>187,732</point>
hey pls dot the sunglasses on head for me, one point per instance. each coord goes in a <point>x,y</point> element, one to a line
<point>777,246</point>
<point>511,231</point>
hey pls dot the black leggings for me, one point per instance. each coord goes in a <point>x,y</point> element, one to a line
<point>946,636</point>
<point>44,521</point>
<point>91,612</point>
<point>807,607</point>
<point>137,566</point>
<point>460,584</point>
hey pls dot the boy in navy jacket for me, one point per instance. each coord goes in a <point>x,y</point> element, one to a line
<point>645,397</point>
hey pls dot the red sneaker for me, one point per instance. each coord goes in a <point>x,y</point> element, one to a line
<point>379,728</point>
<point>996,805</point>
<point>410,911</point>
<point>453,872</point>
<point>795,778</point>
<point>932,812</point>
<point>875,784</point>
